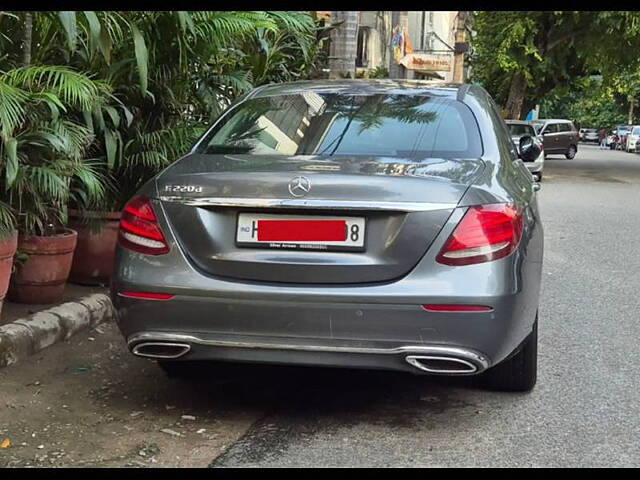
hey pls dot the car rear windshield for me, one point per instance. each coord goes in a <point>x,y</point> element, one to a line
<point>520,129</point>
<point>343,124</point>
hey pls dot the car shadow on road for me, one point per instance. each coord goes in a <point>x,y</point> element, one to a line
<point>326,391</point>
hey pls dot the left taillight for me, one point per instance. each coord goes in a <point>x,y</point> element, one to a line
<point>485,233</point>
<point>139,228</point>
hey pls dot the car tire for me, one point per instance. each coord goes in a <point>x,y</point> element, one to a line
<point>519,372</point>
<point>571,153</point>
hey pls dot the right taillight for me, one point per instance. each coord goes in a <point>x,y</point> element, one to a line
<point>139,229</point>
<point>485,233</point>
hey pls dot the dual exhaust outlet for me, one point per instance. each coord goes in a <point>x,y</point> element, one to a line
<point>436,364</point>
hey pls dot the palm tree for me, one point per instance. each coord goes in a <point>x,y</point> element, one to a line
<point>170,74</point>
<point>42,152</point>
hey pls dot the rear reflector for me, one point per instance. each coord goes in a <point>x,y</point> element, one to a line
<point>439,307</point>
<point>302,230</point>
<point>147,295</point>
<point>139,229</point>
<point>485,233</point>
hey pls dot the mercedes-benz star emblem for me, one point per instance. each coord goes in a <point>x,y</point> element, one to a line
<point>299,186</point>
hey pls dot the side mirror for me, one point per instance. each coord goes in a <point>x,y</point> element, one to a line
<point>529,149</point>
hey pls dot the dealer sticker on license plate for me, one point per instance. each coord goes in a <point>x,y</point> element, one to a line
<point>300,232</point>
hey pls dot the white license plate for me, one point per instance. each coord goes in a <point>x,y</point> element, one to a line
<point>300,232</point>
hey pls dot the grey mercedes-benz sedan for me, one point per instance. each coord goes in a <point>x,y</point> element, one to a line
<point>371,224</point>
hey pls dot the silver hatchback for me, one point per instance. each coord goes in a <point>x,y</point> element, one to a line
<point>370,224</point>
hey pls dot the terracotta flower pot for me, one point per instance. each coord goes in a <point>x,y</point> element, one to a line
<point>8,246</point>
<point>95,253</point>
<point>41,278</point>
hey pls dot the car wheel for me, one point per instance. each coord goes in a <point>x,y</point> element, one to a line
<point>519,372</point>
<point>571,153</point>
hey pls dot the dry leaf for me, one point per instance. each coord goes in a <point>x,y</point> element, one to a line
<point>6,443</point>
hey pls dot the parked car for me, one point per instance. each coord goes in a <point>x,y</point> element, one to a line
<point>581,134</point>
<point>559,137</point>
<point>373,224</point>
<point>632,138</point>
<point>519,129</point>
<point>590,135</point>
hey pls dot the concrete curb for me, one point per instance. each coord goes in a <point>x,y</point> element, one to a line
<point>29,335</point>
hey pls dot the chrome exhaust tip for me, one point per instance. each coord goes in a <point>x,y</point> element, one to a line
<point>160,349</point>
<point>441,365</point>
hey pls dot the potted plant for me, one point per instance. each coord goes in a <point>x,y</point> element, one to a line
<point>172,79</point>
<point>96,247</point>
<point>8,245</point>
<point>43,155</point>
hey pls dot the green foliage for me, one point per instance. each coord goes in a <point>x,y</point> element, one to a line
<point>379,72</point>
<point>550,48</point>
<point>157,79</point>
<point>587,102</point>
<point>41,150</point>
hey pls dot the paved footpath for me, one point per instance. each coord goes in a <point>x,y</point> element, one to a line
<point>88,402</point>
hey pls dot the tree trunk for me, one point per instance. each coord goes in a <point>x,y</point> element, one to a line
<point>26,39</point>
<point>516,96</point>
<point>632,102</point>
<point>344,43</point>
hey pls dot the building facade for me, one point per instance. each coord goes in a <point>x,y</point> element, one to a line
<point>399,44</point>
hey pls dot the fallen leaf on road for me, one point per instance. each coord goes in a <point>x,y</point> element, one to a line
<point>168,431</point>
<point>6,443</point>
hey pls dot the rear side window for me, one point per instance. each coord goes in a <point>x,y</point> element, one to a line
<point>346,124</point>
<point>551,128</point>
<point>520,129</point>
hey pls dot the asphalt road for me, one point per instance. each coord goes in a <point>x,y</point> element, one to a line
<point>99,406</point>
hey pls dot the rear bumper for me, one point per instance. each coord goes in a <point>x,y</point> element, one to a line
<point>413,358</point>
<point>363,326</point>
<point>329,334</point>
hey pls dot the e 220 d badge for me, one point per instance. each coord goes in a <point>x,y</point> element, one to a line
<point>183,188</point>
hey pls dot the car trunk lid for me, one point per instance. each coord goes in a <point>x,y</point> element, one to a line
<point>405,203</point>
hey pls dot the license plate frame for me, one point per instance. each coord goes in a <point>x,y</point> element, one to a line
<point>246,231</point>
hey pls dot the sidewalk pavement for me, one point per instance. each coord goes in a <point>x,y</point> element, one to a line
<point>27,329</point>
